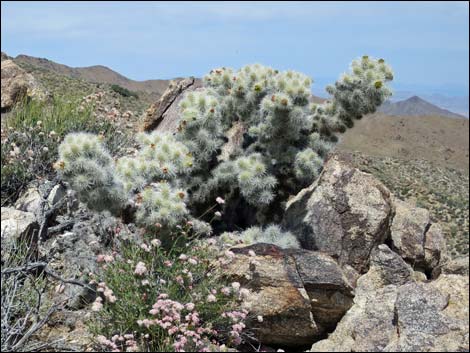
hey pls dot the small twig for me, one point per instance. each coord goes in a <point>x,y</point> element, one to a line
<point>34,328</point>
<point>42,267</point>
<point>59,228</point>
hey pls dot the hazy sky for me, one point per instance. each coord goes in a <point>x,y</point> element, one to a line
<point>427,43</point>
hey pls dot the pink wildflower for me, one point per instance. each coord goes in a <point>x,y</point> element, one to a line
<point>97,304</point>
<point>140,269</point>
<point>236,286</point>
<point>156,242</point>
<point>225,291</point>
<point>145,247</point>
<point>211,298</point>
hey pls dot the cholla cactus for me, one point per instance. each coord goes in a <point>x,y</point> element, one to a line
<point>307,165</point>
<point>201,126</point>
<point>359,92</point>
<point>147,180</point>
<point>88,167</point>
<point>287,137</point>
<point>272,234</point>
<point>249,174</point>
<point>160,157</point>
<point>276,141</point>
<point>161,206</point>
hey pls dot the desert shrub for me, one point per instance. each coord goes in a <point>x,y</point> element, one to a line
<point>285,140</point>
<point>124,91</point>
<point>30,137</point>
<point>23,305</point>
<point>166,299</point>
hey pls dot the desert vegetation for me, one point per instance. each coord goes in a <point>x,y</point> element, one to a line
<point>285,140</point>
<point>170,209</point>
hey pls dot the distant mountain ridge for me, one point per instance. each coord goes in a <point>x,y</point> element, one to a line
<point>415,106</point>
<point>96,74</point>
<point>458,104</point>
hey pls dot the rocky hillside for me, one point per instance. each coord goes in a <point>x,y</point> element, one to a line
<point>372,273</point>
<point>63,82</point>
<point>422,159</point>
<point>371,255</point>
<point>95,74</point>
<point>443,142</point>
<point>415,106</point>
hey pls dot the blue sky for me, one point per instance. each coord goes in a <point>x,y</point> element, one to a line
<point>427,43</point>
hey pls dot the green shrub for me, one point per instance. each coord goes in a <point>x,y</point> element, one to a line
<point>124,91</point>
<point>162,300</point>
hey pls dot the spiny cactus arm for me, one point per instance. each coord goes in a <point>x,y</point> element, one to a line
<point>307,165</point>
<point>256,185</point>
<point>161,207</point>
<point>161,157</point>
<point>85,163</point>
<point>362,90</point>
<point>201,127</point>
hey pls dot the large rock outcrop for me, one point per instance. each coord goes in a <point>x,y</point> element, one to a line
<point>415,238</point>
<point>17,84</point>
<point>163,114</point>
<point>345,213</point>
<point>300,294</point>
<point>394,313</point>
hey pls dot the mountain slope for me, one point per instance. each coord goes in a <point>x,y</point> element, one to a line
<point>96,74</point>
<point>415,106</point>
<point>436,139</point>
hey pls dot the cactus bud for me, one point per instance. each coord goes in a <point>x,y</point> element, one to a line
<point>59,165</point>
